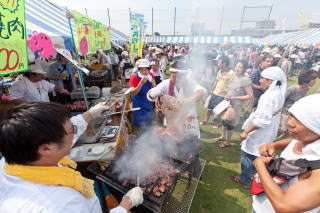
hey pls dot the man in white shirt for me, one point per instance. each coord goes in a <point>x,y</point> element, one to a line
<point>32,87</point>
<point>188,91</point>
<point>35,174</point>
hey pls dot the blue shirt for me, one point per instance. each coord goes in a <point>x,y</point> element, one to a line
<point>255,77</point>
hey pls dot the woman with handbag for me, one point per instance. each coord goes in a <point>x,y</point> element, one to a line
<point>239,90</point>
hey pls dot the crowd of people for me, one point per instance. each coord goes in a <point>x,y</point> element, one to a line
<point>251,80</point>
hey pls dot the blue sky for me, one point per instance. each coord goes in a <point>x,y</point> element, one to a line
<point>285,12</point>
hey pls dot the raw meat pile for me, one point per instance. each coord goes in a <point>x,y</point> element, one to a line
<point>157,182</point>
<point>76,106</point>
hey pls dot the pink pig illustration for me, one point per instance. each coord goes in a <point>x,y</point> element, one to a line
<point>41,44</point>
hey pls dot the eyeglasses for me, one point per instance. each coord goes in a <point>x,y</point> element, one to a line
<point>74,130</point>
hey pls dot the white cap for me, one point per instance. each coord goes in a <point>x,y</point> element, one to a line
<point>36,68</point>
<point>153,63</point>
<point>124,53</point>
<point>159,51</point>
<point>266,50</point>
<point>143,63</point>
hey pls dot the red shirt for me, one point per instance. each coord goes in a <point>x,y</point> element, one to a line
<point>134,80</point>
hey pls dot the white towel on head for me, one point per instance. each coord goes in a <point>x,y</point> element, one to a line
<point>307,111</point>
<point>276,74</point>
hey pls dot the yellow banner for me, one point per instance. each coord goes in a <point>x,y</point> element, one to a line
<point>91,35</point>
<point>13,45</point>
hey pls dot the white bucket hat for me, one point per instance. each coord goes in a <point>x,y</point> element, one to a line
<point>159,51</point>
<point>143,63</point>
<point>124,53</point>
<point>36,68</point>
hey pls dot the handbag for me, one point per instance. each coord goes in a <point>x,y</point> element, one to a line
<point>221,107</point>
<point>229,114</point>
<point>206,103</point>
<point>282,170</point>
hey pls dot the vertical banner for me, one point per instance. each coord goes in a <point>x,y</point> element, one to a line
<point>92,35</point>
<point>13,43</point>
<point>136,34</point>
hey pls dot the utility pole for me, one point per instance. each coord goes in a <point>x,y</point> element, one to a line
<point>244,8</point>
<point>152,21</point>
<point>130,21</point>
<point>86,11</point>
<point>174,21</point>
<point>221,20</point>
<point>109,18</point>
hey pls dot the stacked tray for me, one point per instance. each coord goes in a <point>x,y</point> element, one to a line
<point>92,92</point>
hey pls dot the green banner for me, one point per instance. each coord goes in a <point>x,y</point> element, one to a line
<point>13,44</point>
<point>91,35</point>
<point>137,27</point>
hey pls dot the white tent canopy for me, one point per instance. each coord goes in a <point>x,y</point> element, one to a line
<point>49,18</point>
<point>310,36</point>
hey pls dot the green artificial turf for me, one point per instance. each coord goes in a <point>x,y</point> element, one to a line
<point>216,192</point>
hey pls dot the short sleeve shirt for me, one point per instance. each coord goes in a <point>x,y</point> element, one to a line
<point>223,79</point>
<point>255,77</point>
<point>292,96</point>
<point>237,87</point>
<point>134,80</point>
<point>31,92</point>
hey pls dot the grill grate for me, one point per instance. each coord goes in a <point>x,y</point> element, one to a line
<point>176,199</point>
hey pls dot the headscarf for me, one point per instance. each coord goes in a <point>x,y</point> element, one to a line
<point>306,110</point>
<point>276,74</point>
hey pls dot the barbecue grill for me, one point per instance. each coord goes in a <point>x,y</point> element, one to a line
<point>177,198</point>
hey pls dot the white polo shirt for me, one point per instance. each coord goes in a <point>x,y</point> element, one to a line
<point>28,91</point>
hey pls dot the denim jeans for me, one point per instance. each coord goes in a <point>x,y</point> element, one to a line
<point>247,168</point>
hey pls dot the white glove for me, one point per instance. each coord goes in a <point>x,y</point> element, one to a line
<point>135,195</point>
<point>97,110</point>
<point>149,77</point>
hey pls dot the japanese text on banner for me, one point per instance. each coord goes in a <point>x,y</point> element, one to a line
<point>137,26</point>
<point>91,35</point>
<point>13,46</point>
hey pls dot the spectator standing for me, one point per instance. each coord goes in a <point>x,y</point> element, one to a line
<point>262,125</point>
<point>220,86</point>
<point>294,93</point>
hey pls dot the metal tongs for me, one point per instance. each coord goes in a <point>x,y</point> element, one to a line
<point>138,176</point>
<point>129,110</point>
<point>118,99</point>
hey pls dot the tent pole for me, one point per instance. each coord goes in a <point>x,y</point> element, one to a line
<point>79,73</point>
